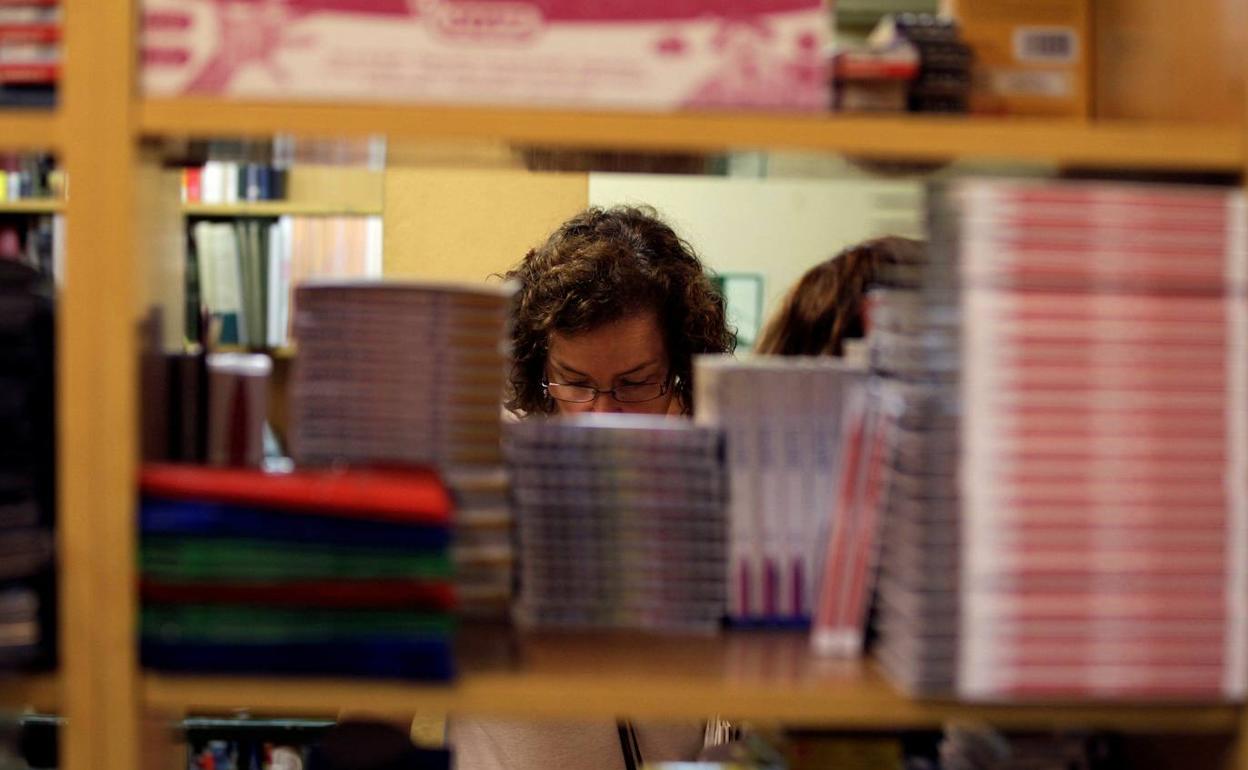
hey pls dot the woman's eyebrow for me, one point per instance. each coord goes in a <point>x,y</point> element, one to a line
<point>636,369</point>
<point>567,369</point>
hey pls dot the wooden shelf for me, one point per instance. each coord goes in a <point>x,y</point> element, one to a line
<point>29,129</point>
<point>756,677</point>
<point>1117,144</point>
<point>40,692</point>
<point>276,209</point>
<point>32,206</point>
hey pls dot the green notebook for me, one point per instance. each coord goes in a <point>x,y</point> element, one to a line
<point>198,559</point>
<point>226,624</point>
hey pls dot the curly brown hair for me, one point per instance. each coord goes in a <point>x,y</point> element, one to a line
<point>826,306</point>
<point>598,267</point>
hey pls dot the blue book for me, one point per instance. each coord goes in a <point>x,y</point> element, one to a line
<point>425,659</point>
<point>197,518</point>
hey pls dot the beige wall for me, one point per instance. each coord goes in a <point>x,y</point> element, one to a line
<point>463,225</point>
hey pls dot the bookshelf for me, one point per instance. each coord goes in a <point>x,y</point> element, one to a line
<point>761,677</point>
<point>100,131</point>
<point>32,206</point>
<point>1117,144</point>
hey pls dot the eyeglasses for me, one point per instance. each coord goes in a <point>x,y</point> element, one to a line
<point>625,394</point>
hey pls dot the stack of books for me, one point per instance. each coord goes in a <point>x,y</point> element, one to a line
<point>312,572</point>
<point>620,523</point>
<point>30,52</point>
<point>781,418</point>
<point>914,344</point>
<point>1105,440</point>
<point>409,373</point>
<point>27,468</point>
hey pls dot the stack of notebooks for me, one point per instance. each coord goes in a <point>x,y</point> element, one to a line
<point>1105,446</point>
<point>27,468</point>
<point>781,418</point>
<point>399,373</point>
<point>914,344</point>
<point>313,572</point>
<point>621,523</point>
<point>30,52</point>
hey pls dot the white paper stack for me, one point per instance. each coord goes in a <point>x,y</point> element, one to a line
<point>915,365</point>
<point>1104,370</point>
<point>781,418</point>
<point>620,522</point>
<point>399,373</point>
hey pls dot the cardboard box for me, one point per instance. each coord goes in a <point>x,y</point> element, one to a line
<point>1032,57</point>
<point>639,54</point>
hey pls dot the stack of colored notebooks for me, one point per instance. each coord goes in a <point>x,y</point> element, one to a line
<point>312,572</point>
<point>621,522</point>
<point>27,468</point>
<point>915,366</point>
<point>781,417</point>
<point>399,373</point>
<point>1105,442</point>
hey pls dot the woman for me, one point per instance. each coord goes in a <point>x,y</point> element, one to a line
<point>609,314</point>
<point>611,310</point>
<point>828,304</point>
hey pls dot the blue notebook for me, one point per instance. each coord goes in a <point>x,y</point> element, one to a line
<point>206,519</point>
<point>424,659</point>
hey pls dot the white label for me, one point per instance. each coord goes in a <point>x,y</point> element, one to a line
<point>1050,45</point>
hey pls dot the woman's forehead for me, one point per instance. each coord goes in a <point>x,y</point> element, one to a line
<point>612,349</point>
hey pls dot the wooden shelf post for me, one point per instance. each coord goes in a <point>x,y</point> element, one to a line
<point>96,390</point>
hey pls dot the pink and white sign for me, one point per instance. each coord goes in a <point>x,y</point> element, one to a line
<point>638,54</point>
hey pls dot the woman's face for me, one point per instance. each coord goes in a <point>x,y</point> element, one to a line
<point>627,356</point>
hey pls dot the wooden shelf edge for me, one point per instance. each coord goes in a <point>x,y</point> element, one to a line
<point>276,209</point>
<point>32,206</point>
<point>1112,144</point>
<point>853,707</point>
<point>29,129</point>
<point>40,692</point>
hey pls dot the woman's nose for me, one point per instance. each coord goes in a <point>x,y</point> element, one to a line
<point>606,403</point>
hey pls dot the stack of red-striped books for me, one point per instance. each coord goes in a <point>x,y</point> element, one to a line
<point>30,52</point>
<point>1105,443</point>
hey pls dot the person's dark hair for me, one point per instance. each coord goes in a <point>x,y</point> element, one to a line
<point>598,267</point>
<point>826,306</point>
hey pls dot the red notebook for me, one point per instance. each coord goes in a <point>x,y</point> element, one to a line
<point>414,495</point>
<point>354,593</point>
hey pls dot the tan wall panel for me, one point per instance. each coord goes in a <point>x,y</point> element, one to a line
<point>1170,60</point>
<point>463,225</point>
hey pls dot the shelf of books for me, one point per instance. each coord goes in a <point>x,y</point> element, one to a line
<point>749,676</point>
<point>1106,144</point>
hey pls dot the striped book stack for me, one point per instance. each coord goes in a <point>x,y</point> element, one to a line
<point>311,572</point>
